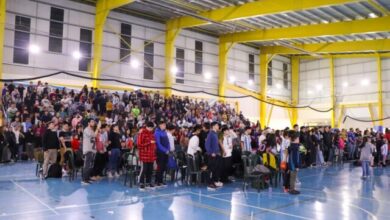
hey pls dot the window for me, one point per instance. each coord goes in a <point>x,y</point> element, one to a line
<point>285,75</point>
<point>269,79</point>
<point>252,67</point>
<point>56,29</point>
<point>125,43</point>
<point>148,57</point>
<point>85,49</point>
<point>198,57</point>
<point>21,39</point>
<point>180,65</point>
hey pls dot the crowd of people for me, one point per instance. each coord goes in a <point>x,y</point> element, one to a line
<point>99,126</point>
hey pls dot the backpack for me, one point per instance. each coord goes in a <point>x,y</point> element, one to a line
<point>55,171</point>
<point>78,159</point>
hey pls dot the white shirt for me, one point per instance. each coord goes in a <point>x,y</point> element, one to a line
<point>193,145</point>
<point>171,141</point>
<point>246,139</point>
<point>227,146</point>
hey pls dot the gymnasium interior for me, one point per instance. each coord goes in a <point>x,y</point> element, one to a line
<point>270,67</point>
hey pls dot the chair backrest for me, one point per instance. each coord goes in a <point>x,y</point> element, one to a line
<point>132,161</point>
<point>181,158</point>
<point>246,165</point>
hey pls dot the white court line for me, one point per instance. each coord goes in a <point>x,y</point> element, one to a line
<point>34,197</point>
<point>114,201</point>
<point>251,206</point>
<point>334,200</point>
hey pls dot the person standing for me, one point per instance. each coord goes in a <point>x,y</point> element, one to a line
<point>89,150</point>
<point>50,147</point>
<point>214,156</point>
<point>114,151</point>
<point>163,149</point>
<point>227,149</point>
<point>384,151</point>
<point>351,144</point>
<point>147,155</point>
<point>366,156</point>
<point>246,146</point>
<point>294,162</point>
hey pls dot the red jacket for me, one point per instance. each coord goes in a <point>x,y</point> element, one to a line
<point>146,149</point>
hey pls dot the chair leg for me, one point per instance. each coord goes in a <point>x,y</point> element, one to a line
<point>125,178</point>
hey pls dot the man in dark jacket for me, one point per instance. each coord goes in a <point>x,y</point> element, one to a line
<point>214,156</point>
<point>328,148</point>
<point>163,147</point>
<point>294,161</point>
<point>50,147</point>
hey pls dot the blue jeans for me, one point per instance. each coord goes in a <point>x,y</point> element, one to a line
<point>113,160</point>
<point>351,149</point>
<point>366,168</point>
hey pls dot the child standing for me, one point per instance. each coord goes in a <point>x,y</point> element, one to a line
<point>366,156</point>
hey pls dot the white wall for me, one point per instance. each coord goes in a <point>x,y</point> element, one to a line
<point>349,89</point>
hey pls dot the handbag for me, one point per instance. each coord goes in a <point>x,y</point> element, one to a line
<point>172,162</point>
<point>283,165</point>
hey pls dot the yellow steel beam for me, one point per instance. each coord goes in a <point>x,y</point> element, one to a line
<point>341,114</point>
<point>382,45</point>
<point>354,55</point>
<point>3,6</point>
<point>378,7</point>
<point>170,37</point>
<point>263,87</point>
<point>103,8</point>
<point>356,105</point>
<point>270,115</point>
<point>294,89</point>
<point>332,94</point>
<point>372,114</point>
<point>380,92</point>
<point>255,9</point>
<point>381,24</point>
<point>222,67</point>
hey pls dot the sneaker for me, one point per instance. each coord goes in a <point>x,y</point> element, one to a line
<point>294,192</point>
<point>85,183</point>
<point>117,175</point>
<point>109,175</point>
<point>212,187</point>
<point>297,182</point>
<point>142,187</point>
<point>150,186</point>
<point>285,190</point>
<point>218,184</point>
<point>161,185</point>
<point>94,178</point>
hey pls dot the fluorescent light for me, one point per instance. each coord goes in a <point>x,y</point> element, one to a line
<point>134,63</point>
<point>232,79</point>
<point>34,49</point>
<point>250,82</point>
<point>174,70</point>
<point>207,75</point>
<point>325,21</point>
<point>76,55</point>
<point>309,92</point>
<point>372,15</point>
<point>319,87</point>
<point>365,82</point>
<point>278,86</point>
<point>345,84</point>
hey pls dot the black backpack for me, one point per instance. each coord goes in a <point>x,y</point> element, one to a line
<point>55,171</point>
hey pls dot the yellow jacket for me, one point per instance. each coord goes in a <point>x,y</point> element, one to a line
<point>272,160</point>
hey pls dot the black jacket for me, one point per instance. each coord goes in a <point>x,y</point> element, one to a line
<point>50,140</point>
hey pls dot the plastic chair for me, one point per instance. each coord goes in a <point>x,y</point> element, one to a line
<point>249,163</point>
<point>133,168</point>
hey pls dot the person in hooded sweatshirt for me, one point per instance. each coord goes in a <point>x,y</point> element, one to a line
<point>366,156</point>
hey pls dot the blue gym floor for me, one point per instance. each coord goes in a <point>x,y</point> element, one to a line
<point>326,193</point>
